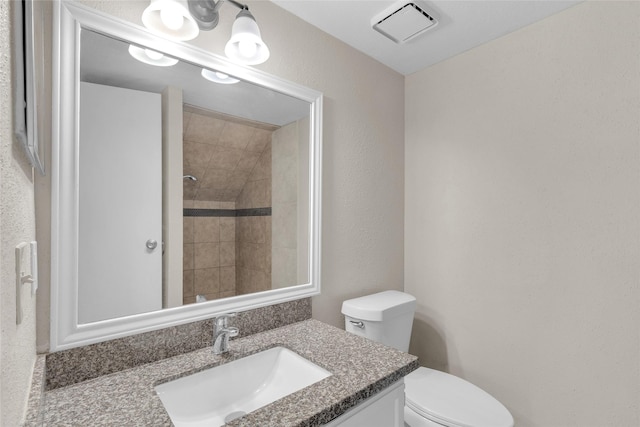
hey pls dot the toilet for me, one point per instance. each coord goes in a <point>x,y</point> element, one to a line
<point>432,398</point>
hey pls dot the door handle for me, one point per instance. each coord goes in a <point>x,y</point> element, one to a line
<point>152,244</point>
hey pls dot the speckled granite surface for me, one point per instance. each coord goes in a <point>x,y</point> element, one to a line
<point>359,368</point>
<point>36,394</point>
<point>83,363</point>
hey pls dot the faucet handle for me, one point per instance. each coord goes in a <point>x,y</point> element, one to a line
<point>221,320</point>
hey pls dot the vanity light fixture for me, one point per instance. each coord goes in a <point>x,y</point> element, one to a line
<point>218,77</point>
<point>170,19</point>
<point>151,57</point>
<point>182,20</point>
<point>246,45</point>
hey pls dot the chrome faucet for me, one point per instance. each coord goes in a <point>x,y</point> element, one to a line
<point>221,333</point>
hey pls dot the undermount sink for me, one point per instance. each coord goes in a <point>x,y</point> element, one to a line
<point>223,393</point>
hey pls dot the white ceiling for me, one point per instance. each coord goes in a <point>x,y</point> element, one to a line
<point>462,25</point>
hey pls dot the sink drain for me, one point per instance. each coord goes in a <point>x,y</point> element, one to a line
<point>232,416</point>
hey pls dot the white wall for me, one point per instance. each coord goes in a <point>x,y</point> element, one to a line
<point>17,224</point>
<point>522,217</point>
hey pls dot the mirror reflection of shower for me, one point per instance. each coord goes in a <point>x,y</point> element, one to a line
<point>227,244</point>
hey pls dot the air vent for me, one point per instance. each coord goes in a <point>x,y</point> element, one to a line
<point>403,21</point>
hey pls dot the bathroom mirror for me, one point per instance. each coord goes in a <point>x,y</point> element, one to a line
<point>174,198</point>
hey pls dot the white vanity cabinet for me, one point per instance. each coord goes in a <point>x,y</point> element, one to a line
<point>384,409</point>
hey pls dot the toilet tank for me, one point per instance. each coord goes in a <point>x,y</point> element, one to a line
<point>386,317</point>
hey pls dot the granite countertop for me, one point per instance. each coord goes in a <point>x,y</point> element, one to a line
<point>359,367</point>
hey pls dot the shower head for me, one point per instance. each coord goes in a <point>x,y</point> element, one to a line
<point>191,177</point>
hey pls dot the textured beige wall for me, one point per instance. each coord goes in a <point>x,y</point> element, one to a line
<point>363,147</point>
<point>43,193</point>
<point>17,224</point>
<point>522,217</point>
<point>363,156</point>
<point>284,206</point>
<point>290,211</point>
<point>172,191</point>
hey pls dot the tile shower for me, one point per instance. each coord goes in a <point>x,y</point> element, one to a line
<point>227,211</point>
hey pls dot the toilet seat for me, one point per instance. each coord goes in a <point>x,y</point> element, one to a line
<point>453,402</point>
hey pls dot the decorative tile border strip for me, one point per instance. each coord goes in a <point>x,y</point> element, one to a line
<point>227,212</point>
<point>254,212</point>
<point>209,212</point>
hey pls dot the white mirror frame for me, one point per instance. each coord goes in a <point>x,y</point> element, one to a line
<point>27,35</point>
<point>66,333</point>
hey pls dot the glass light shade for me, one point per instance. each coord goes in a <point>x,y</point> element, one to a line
<point>151,57</point>
<point>218,77</point>
<point>246,45</point>
<point>170,19</point>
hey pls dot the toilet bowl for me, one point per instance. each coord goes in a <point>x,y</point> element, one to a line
<point>432,398</point>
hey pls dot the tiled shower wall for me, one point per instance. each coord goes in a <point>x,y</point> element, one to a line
<point>221,152</point>
<point>253,233</point>
<point>224,254</point>
<point>209,253</point>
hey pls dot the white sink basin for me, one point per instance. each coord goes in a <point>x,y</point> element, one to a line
<point>218,395</point>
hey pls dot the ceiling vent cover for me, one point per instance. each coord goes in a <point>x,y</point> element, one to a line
<point>403,21</point>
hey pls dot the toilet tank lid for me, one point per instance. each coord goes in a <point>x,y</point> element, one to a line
<point>380,306</point>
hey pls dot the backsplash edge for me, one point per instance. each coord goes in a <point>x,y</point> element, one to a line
<point>75,365</point>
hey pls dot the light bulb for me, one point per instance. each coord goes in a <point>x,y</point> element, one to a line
<point>171,18</point>
<point>218,77</point>
<point>151,57</point>
<point>247,48</point>
<point>152,54</point>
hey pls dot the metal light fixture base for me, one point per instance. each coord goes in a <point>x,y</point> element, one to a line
<point>205,13</point>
